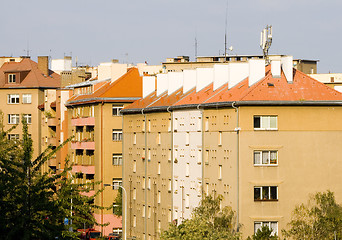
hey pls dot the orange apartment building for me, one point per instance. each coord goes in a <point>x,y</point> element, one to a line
<point>263,137</point>
<point>93,117</point>
<point>23,87</point>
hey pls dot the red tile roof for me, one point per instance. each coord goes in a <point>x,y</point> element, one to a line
<point>303,88</point>
<point>128,86</point>
<point>32,76</point>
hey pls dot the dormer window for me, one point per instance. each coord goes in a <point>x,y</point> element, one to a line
<point>11,78</point>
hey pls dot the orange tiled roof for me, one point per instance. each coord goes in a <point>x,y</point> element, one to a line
<point>34,78</point>
<point>127,86</point>
<point>303,88</point>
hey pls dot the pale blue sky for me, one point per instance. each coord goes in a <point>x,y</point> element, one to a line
<point>152,30</point>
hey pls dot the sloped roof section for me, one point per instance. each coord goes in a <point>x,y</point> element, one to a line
<point>303,88</point>
<point>31,76</point>
<point>127,88</point>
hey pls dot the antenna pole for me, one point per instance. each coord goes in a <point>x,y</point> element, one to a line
<point>225,34</point>
<point>266,41</point>
<point>196,47</point>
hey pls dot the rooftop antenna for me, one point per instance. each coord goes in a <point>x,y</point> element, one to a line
<point>266,41</point>
<point>28,48</point>
<point>196,45</point>
<point>225,33</point>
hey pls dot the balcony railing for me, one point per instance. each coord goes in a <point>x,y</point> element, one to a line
<point>52,141</point>
<point>52,122</point>
<point>87,121</point>
<point>83,145</point>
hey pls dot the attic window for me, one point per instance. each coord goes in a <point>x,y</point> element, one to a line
<point>11,78</point>
<point>270,84</point>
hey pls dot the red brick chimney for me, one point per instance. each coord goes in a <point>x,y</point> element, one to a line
<point>43,64</point>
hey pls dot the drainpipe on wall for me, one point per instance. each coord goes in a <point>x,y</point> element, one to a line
<point>102,166</point>
<point>202,163</point>
<point>142,112</point>
<point>237,130</point>
<point>171,133</point>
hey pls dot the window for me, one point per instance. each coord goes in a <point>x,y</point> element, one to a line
<point>13,137</point>
<point>134,193</point>
<point>13,118</point>
<point>265,122</point>
<point>187,169</point>
<point>27,98</point>
<point>159,197</point>
<point>134,221</point>
<point>27,118</point>
<point>117,159</point>
<point>187,138</point>
<point>220,172</point>
<point>116,110</point>
<point>271,225</point>
<point>11,78</point>
<point>117,135</point>
<point>134,138</point>
<point>265,193</point>
<point>134,166</point>
<point>159,168</point>
<point>265,158</point>
<point>187,201</point>
<point>13,98</point>
<point>199,156</point>
<point>117,182</point>
<point>220,139</point>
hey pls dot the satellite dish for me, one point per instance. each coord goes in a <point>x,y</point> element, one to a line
<point>230,48</point>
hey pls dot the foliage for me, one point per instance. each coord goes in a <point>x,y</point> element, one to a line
<point>33,205</point>
<point>320,218</point>
<point>118,203</point>
<point>265,233</point>
<point>208,221</point>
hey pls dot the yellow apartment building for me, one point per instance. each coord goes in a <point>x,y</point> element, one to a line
<point>22,89</point>
<point>95,120</point>
<point>264,138</point>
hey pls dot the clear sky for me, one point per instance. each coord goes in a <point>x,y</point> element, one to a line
<point>151,30</point>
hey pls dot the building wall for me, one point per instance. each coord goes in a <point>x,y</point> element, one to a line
<point>308,141</point>
<point>187,163</point>
<point>37,97</point>
<point>147,173</point>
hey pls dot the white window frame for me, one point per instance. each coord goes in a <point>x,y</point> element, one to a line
<point>267,223</point>
<point>117,159</point>
<point>220,172</point>
<point>265,122</point>
<point>117,182</point>
<point>261,189</point>
<point>27,98</point>
<point>12,78</point>
<point>135,166</point>
<point>259,162</point>
<point>13,119</point>
<point>27,118</point>
<point>13,99</point>
<point>116,110</point>
<point>117,135</point>
<point>13,137</point>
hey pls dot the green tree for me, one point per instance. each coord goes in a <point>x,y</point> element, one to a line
<point>320,218</point>
<point>265,233</point>
<point>33,205</point>
<point>118,203</point>
<point>208,221</point>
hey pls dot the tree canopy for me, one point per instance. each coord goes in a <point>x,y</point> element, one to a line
<point>320,218</point>
<point>33,205</point>
<point>209,221</point>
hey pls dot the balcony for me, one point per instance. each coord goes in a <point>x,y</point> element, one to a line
<point>83,169</point>
<point>83,145</point>
<point>52,141</point>
<point>52,122</point>
<point>88,121</point>
<point>52,162</point>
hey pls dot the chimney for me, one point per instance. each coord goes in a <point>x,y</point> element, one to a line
<point>43,64</point>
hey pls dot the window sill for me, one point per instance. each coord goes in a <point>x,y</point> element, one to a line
<point>265,129</point>
<point>265,165</point>
<point>265,200</point>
